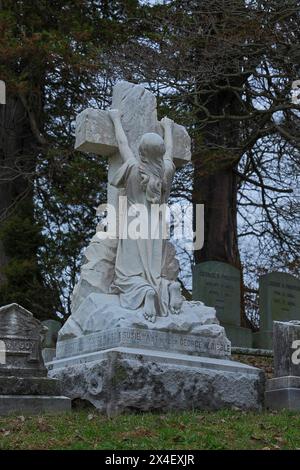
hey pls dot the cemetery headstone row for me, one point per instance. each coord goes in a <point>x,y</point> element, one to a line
<point>219,284</point>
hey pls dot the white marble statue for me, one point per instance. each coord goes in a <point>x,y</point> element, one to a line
<point>147,179</point>
<point>125,281</point>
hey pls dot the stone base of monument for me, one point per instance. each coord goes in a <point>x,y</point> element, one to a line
<point>283,393</point>
<point>120,362</point>
<point>131,379</point>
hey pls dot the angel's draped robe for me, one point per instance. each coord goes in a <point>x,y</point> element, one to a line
<point>140,261</point>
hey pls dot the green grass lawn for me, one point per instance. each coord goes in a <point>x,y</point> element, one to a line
<point>86,429</point>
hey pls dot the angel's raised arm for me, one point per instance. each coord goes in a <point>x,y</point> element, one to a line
<point>168,138</point>
<point>125,150</point>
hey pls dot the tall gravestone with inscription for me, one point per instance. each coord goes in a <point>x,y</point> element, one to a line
<point>24,385</point>
<point>279,300</point>
<point>218,285</point>
<point>132,342</point>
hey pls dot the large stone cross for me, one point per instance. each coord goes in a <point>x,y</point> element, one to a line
<point>95,131</point>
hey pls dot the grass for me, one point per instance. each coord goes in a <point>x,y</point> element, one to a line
<point>86,429</point>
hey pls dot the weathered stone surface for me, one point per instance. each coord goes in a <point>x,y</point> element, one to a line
<point>29,386</point>
<point>30,405</point>
<point>24,387</point>
<point>286,339</point>
<point>50,337</point>
<point>219,285</point>
<point>278,383</point>
<point>101,312</point>
<point>210,341</point>
<point>279,300</point>
<point>21,333</point>
<point>95,132</point>
<point>125,380</point>
<point>283,391</point>
<point>284,398</point>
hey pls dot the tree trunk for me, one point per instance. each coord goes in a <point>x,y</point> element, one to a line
<point>218,193</point>
<point>17,165</point>
<point>216,186</point>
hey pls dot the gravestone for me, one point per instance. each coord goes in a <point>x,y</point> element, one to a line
<point>116,355</point>
<point>24,385</point>
<point>279,300</point>
<point>283,391</point>
<point>50,339</point>
<point>219,284</point>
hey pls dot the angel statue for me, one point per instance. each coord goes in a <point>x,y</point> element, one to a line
<point>146,180</point>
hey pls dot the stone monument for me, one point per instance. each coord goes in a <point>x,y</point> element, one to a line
<point>24,385</point>
<point>132,342</point>
<point>283,391</point>
<point>279,300</point>
<point>218,285</point>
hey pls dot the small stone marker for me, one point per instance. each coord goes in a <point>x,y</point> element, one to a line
<point>218,285</point>
<point>279,300</point>
<point>24,386</point>
<point>283,391</point>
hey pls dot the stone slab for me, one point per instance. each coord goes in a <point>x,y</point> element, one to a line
<point>123,380</point>
<point>29,386</point>
<point>286,340</point>
<point>238,335</point>
<point>283,382</point>
<point>279,299</point>
<point>263,339</point>
<point>95,134</point>
<point>219,285</point>
<point>199,344</point>
<point>285,398</point>
<point>32,405</point>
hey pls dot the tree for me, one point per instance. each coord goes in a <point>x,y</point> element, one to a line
<point>226,68</point>
<point>50,59</point>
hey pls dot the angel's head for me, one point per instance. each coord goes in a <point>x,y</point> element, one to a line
<point>152,149</point>
<point>151,146</point>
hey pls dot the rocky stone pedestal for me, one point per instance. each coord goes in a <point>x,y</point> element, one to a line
<point>24,385</point>
<point>131,379</point>
<point>283,391</point>
<point>180,362</point>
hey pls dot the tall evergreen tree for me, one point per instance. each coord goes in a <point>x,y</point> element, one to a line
<point>51,60</point>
